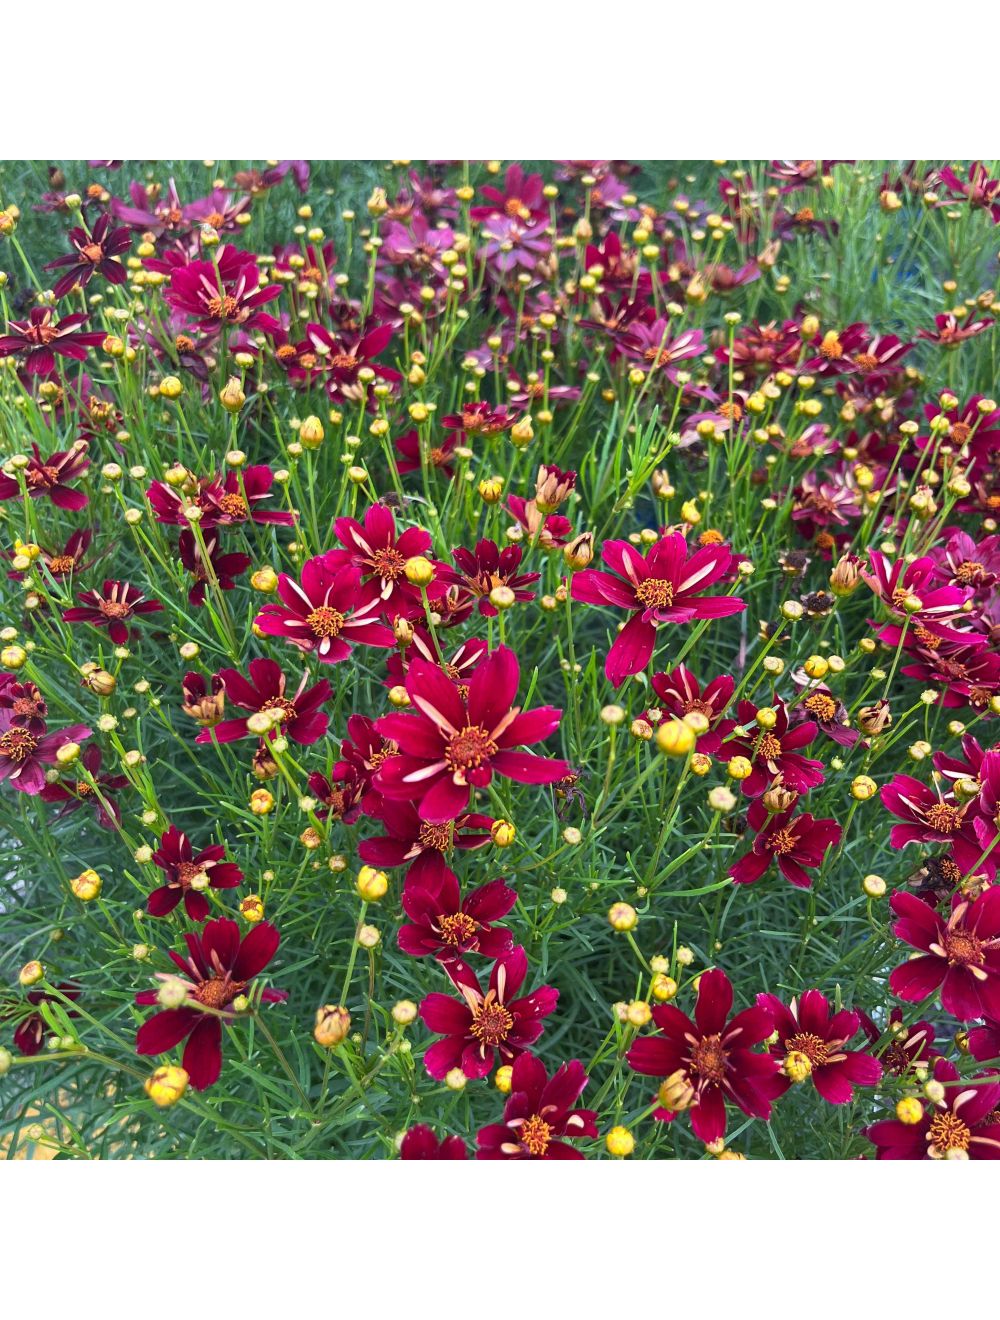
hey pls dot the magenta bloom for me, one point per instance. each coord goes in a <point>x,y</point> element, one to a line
<point>965,1122</point>
<point>265,690</point>
<point>238,497</point>
<point>51,476</point>
<point>328,613</point>
<point>773,752</point>
<point>539,1117</point>
<point>420,1143</point>
<point>41,338</point>
<point>219,967</point>
<point>521,197</point>
<point>479,572</point>
<point>24,755</point>
<point>797,843</point>
<point>181,865</point>
<point>410,841</point>
<point>453,743</point>
<point>806,1029</point>
<point>28,708</point>
<point>960,956</point>
<point>984,1042</point>
<point>342,359</point>
<point>226,566</point>
<point>680,695</point>
<point>896,583</point>
<point>714,1054</point>
<point>448,926</point>
<point>663,587</point>
<point>479,1026</point>
<point>380,555</point>
<point>229,294</point>
<point>93,254</point>
<point>79,792</point>
<point>30,1032</point>
<point>110,607</point>
<point>930,817</point>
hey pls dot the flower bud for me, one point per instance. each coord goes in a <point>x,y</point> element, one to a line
<point>676,1092</point>
<point>333,1023</point>
<point>620,1142</point>
<point>503,833</point>
<point>171,387</point>
<point>261,802</point>
<point>663,987</point>
<point>252,908</point>
<point>166,1085</point>
<point>874,886</point>
<point>31,973</point>
<point>863,788</point>
<point>311,433</point>
<point>579,552</point>
<point>491,490</point>
<point>86,886</point>
<point>372,885</point>
<point>419,571</point>
<point>797,1066</point>
<point>909,1110</point>
<point>675,738</point>
<point>623,917</point>
<point>739,768</point>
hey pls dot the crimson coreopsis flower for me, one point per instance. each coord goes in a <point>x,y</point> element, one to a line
<point>363,752</point>
<point>828,712</point>
<point>29,1034</point>
<point>63,563</point>
<point>224,566</point>
<point>410,841</point>
<point>110,607</point>
<point>774,749</point>
<point>908,1048</point>
<point>328,613</point>
<point>219,967</point>
<point>965,1124</point>
<point>374,548</point>
<point>959,955</point>
<point>80,792</point>
<point>459,665</point>
<point>713,1056</point>
<point>984,1041</point>
<point>797,843</point>
<point>436,457</point>
<point>28,708</point>
<point>203,702</point>
<point>477,573</point>
<point>187,874</point>
<point>341,794</point>
<point>539,1116</point>
<point>681,694</point>
<point>979,190</point>
<point>24,755</point>
<point>665,586</point>
<point>930,816</point>
<point>341,359</point>
<point>652,344</point>
<point>220,295</point>
<point>949,331</point>
<point>444,924</point>
<point>420,1143</point>
<point>964,562</point>
<point>267,689</point>
<point>811,1043</point>
<point>521,197</point>
<point>913,591</point>
<point>479,1026</point>
<point>38,341</point>
<point>238,498</point>
<point>51,477</point>
<point>453,744</point>
<point>480,418</point>
<point>94,253</point>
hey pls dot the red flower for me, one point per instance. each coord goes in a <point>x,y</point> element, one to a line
<point>480,418</point>
<point>797,843</point>
<point>908,1047</point>
<point>539,1117</point>
<point>681,695</point>
<point>900,584</point>
<point>28,708</point>
<point>521,197</point>
<point>329,613</point>
<point>342,359</point>
<point>453,744</point>
<point>93,253</point>
<point>437,456</point>
<point>225,294</point>
<point>420,1143</point>
<point>29,1034</point>
<point>50,476</point>
<point>412,841</point>
<point>177,860</point>
<point>63,563</point>
<point>663,587</point>
<point>964,1125</point>
<point>38,340</point>
<point>480,572</point>
<point>810,1041</point>
<point>446,925</point>
<point>24,755</point>
<point>460,667</point>
<point>713,1056</point>
<point>110,607</point>
<point>478,1026</point>
<point>265,690</point>
<point>931,817</point>
<point>236,499</point>
<point>226,568</point>
<point>960,955</point>
<point>380,555</point>
<point>220,966</point>
<point>773,750</point>
<point>80,793</point>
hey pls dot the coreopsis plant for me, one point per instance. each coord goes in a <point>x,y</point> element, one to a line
<point>564,606</point>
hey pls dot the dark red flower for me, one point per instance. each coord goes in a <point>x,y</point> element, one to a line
<point>110,607</point>
<point>960,955</point>
<point>665,586</point>
<point>23,755</point>
<point>681,695</point>
<point>93,254</point>
<point>797,843</point>
<point>811,1043</point>
<point>342,359</point>
<point>225,294</point>
<point>188,874</point>
<point>412,459</point>
<point>773,749</point>
<point>28,708</point>
<point>459,667</point>
<point>539,1117</point>
<point>410,841</point>
<point>420,1143</point>
<point>380,556</point>
<point>266,690</point>
<point>63,563</point>
<point>80,792</point>
<point>931,816</point>
<point>713,1055</point>
<point>328,613</point>
<point>908,1048</point>
<point>41,338</point>
<point>480,418</point>
<point>237,498</point>
<point>29,1034</point>
<point>452,744</point>
<point>219,967</point>
<point>448,926</point>
<point>481,1025</point>
<point>50,476</point>
<point>480,572</point>
<point>521,197</point>
<point>224,567</point>
<point>964,1125</point>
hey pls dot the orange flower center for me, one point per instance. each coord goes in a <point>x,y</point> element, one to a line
<point>219,992</point>
<point>960,432</point>
<point>782,842</point>
<point>816,1051</point>
<point>820,705</point>
<point>114,609</point>
<point>535,1136</point>
<point>325,621</point>
<point>490,1021</point>
<point>969,573</point>
<point>233,506</point>
<point>92,252</point>
<point>61,564</point>
<point>768,747</point>
<point>944,818</point>
<point>435,836</point>
<point>387,563</point>
<point>186,872</point>
<point>656,593</point>
<point>469,748</point>
<point>948,1132</point>
<point>344,362</point>
<point>962,947</point>
<point>17,744</point>
<point>457,928</point>
<point>866,361</point>
<point>224,307</point>
<point>708,1059</point>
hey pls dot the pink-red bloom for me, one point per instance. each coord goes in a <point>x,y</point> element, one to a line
<point>959,955</point>
<point>111,607</point>
<point>797,843</point>
<point>39,340</point>
<point>93,254</point>
<point>481,571</point>
<point>24,755</point>
<point>188,874</point>
<point>410,841</point>
<point>963,1125</point>
<point>811,1040</point>
<point>773,750</point>
<point>420,1143</point>
<point>539,1116</point>
<point>444,924</point>
<point>51,476</point>
<point>264,690</point>
<point>328,613</point>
